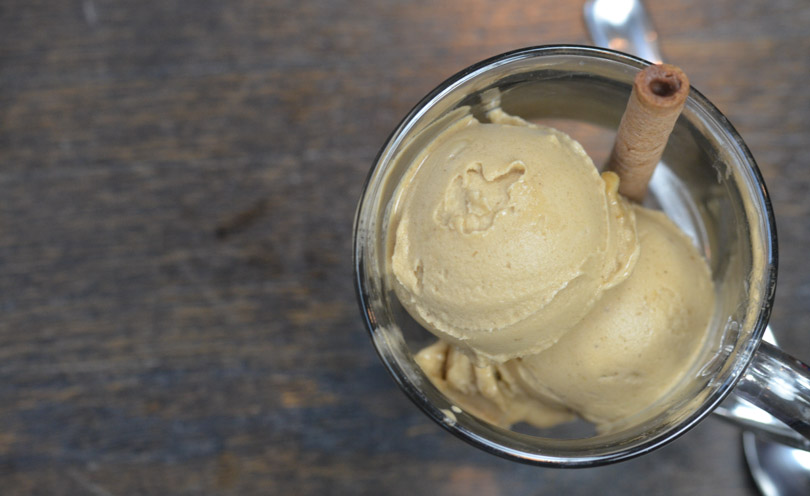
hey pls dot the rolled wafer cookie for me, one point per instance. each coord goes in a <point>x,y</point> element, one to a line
<point>658,96</point>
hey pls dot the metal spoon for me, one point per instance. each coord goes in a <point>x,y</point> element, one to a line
<point>778,469</point>
<point>623,25</point>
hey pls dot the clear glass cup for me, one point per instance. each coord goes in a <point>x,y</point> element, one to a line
<point>707,182</point>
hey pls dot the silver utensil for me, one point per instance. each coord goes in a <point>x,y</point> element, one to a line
<point>623,25</point>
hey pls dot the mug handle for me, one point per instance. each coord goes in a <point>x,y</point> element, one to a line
<point>772,398</point>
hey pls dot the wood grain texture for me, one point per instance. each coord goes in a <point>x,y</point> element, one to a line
<point>177,185</point>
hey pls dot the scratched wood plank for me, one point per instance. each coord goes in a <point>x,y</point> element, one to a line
<point>177,185</point>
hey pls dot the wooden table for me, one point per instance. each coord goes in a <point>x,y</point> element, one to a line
<point>177,185</point>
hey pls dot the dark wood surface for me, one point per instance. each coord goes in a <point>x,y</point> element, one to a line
<point>177,185</point>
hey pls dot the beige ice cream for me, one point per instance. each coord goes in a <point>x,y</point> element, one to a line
<point>639,339</point>
<point>494,392</point>
<point>551,293</point>
<point>506,236</point>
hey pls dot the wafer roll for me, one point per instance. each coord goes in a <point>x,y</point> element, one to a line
<point>658,96</point>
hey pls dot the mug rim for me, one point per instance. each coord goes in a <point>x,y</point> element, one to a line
<point>741,361</point>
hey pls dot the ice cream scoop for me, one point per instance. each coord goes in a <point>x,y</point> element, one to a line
<point>640,338</point>
<point>504,236</point>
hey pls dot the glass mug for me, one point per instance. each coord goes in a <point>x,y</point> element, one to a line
<point>707,183</point>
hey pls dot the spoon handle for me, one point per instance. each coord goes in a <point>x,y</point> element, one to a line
<point>623,25</point>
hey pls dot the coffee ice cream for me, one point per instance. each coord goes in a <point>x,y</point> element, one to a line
<point>506,236</point>
<point>551,294</point>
